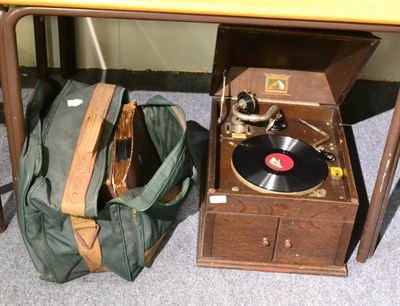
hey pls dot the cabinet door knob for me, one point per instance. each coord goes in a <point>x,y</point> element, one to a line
<point>288,244</point>
<point>265,241</point>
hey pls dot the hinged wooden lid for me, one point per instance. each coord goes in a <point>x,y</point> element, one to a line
<point>290,65</point>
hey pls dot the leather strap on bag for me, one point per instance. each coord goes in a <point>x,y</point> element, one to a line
<point>80,174</point>
<point>86,235</point>
<point>81,169</point>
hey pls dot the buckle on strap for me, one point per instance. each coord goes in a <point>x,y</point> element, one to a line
<point>85,231</point>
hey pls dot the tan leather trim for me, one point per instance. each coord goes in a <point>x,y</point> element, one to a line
<point>149,253</point>
<point>81,169</point>
<point>172,194</point>
<point>86,233</point>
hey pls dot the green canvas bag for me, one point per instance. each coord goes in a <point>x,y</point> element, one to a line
<point>121,234</point>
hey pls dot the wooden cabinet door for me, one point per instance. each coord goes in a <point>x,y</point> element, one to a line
<point>308,242</point>
<point>244,237</point>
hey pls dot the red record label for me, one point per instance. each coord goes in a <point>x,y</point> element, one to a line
<point>279,162</point>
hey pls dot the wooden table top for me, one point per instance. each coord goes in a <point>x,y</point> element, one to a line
<point>382,12</point>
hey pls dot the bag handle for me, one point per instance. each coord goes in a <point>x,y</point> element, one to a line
<point>82,166</point>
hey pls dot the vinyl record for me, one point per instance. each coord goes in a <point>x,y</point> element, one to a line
<point>279,164</point>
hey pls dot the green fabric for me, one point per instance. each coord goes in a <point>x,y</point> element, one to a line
<point>129,224</point>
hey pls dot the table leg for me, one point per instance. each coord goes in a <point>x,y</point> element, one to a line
<point>380,196</point>
<point>11,86</point>
<point>2,225</point>
<point>39,28</point>
<point>66,38</point>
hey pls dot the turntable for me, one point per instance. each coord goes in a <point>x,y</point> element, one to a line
<point>280,191</point>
